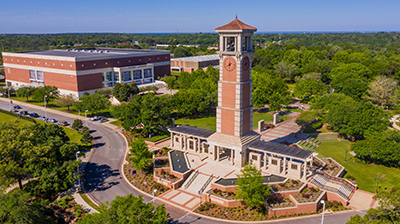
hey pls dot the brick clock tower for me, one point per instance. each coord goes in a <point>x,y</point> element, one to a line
<point>235,109</point>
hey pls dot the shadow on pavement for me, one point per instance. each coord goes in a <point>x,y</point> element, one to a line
<point>95,177</point>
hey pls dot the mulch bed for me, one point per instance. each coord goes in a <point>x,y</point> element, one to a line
<point>332,168</point>
<point>67,210</point>
<point>240,213</point>
<point>143,180</point>
<point>229,195</point>
<point>308,195</point>
<point>289,185</point>
<point>277,201</point>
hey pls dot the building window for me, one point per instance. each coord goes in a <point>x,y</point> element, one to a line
<point>36,77</point>
<point>274,162</point>
<point>147,73</point>
<point>126,76</point>
<point>116,76</point>
<point>294,167</point>
<point>138,74</point>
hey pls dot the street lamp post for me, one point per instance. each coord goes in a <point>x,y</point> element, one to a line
<point>323,211</point>
<point>154,198</point>
<point>77,170</point>
<point>45,112</point>
<point>9,99</point>
<point>86,116</point>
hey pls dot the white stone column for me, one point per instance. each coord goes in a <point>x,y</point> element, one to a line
<point>221,42</point>
<point>304,170</point>
<point>265,160</point>
<point>218,153</point>
<point>184,142</point>
<point>284,165</point>
<point>239,43</point>
<point>172,140</point>
<point>232,156</point>
<point>120,76</point>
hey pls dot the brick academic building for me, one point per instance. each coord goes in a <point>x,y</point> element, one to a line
<point>80,71</point>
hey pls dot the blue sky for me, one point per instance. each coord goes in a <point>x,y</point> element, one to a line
<point>156,16</point>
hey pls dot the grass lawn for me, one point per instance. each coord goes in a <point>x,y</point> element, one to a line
<point>364,174</point>
<point>291,87</point>
<point>88,201</point>
<point>210,122</point>
<point>116,123</point>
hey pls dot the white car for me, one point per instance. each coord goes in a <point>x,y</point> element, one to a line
<point>52,120</point>
<point>95,118</point>
<point>42,118</point>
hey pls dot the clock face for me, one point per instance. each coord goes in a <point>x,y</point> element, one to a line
<point>246,63</point>
<point>230,64</point>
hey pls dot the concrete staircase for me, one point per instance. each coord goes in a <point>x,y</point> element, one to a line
<point>198,183</point>
<point>340,188</point>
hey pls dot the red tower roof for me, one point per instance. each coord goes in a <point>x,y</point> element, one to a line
<point>236,25</point>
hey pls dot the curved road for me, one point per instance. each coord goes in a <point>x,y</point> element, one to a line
<point>104,180</point>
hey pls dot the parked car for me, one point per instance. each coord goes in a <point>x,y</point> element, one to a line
<point>104,119</point>
<point>42,118</point>
<point>17,107</point>
<point>23,112</point>
<point>14,111</point>
<point>95,118</point>
<point>33,115</point>
<point>62,123</point>
<point>52,120</point>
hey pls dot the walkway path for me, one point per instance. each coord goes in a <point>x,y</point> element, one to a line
<point>394,119</point>
<point>284,131</point>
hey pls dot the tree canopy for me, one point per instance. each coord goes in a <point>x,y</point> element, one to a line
<point>127,209</point>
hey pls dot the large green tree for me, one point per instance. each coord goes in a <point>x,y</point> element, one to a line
<point>381,90</point>
<point>310,87</point>
<point>269,89</point>
<point>250,188</point>
<point>141,156</point>
<point>122,91</point>
<point>18,207</point>
<point>65,101</point>
<point>93,103</point>
<point>145,114</point>
<point>26,91</point>
<point>127,210</point>
<point>51,93</point>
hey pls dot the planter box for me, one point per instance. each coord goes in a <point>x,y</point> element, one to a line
<point>221,201</point>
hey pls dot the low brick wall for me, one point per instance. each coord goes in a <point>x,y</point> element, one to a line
<point>169,184</point>
<point>221,201</point>
<point>299,207</point>
<point>224,188</point>
<point>334,197</point>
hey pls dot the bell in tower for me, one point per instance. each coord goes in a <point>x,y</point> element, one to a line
<point>235,109</point>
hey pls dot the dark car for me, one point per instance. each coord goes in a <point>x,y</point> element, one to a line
<point>17,107</point>
<point>34,115</point>
<point>103,119</point>
<point>23,112</point>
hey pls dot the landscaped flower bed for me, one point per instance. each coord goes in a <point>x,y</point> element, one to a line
<point>162,152</point>
<point>159,163</point>
<point>240,213</point>
<point>278,201</point>
<point>308,195</point>
<point>143,180</point>
<point>332,167</point>
<point>229,195</point>
<point>289,185</point>
<point>166,176</point>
